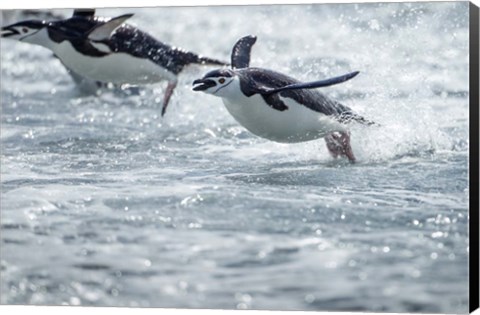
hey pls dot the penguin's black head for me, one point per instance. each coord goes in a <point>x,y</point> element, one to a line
<point>23,30</point>
<point>214,81</point>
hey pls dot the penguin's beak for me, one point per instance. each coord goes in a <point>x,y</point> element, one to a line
<point>7,31</point>
<point>203,84</point>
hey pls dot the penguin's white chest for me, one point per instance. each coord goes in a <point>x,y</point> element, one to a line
<point>296,124</point>
<point>119,68</point>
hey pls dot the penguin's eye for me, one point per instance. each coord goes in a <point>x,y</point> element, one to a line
<point>222,80</point>
<point>24,29</point>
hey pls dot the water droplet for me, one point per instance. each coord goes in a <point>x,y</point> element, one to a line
<point>242,306</point>
<point>362,276</point>
<point>74,300</point>
<point>194,225</point>
<point>309,298</point>
<point>183,285</point>
<point>415,273</point>
<point>374,25</point>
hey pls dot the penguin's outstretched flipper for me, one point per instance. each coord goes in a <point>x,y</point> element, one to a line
<point>241,52</point>
<point>314,84</point>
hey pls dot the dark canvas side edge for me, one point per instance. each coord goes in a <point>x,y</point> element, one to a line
<point>474,159</point>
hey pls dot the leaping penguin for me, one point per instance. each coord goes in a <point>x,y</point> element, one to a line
<point>108,50</point>
<point>277,107</point>
<point>85,85</point>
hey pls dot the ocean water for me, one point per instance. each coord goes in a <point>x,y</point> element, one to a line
<point>106,203</point>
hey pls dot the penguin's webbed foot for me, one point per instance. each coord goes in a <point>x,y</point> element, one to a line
<point>168,94</point>
<point>338,144</point>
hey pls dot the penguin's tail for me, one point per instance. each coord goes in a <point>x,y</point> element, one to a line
<point>210,61</point>
<point>366,122</point>
<point>348,117</point>
<point>189,57</point>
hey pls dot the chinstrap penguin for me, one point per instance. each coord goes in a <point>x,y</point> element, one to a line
<point>85,85</point>
<point>108,49</point>
<point>277,107</point>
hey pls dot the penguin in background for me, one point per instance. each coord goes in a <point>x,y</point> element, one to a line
<point>108,50</point>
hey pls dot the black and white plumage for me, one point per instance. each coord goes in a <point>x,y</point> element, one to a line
<point>108,49</point>
<point>280,108</point>
<point>84,84</point>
